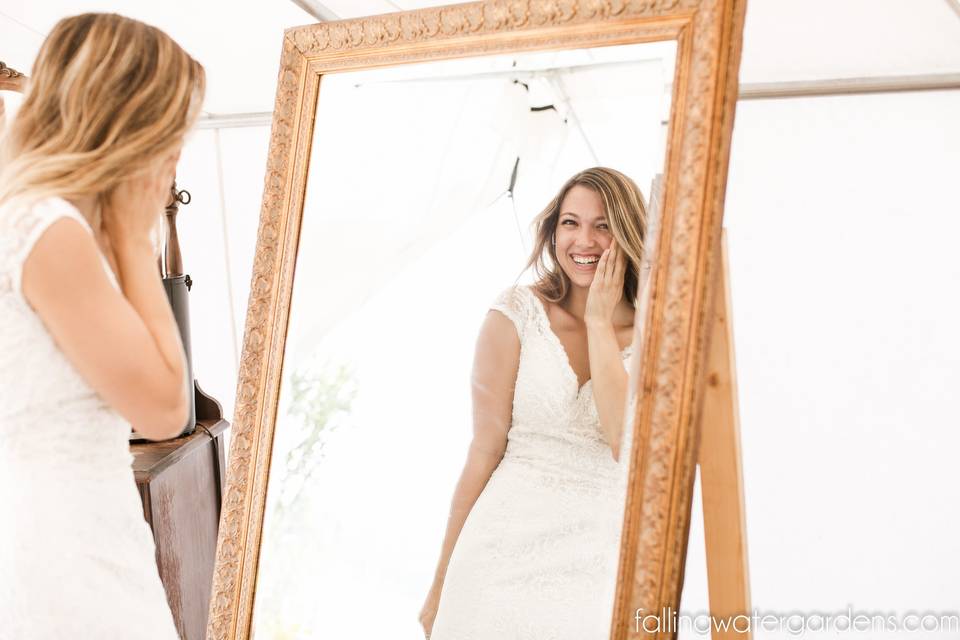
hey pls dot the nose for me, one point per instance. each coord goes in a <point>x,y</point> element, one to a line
<point>587,237</point>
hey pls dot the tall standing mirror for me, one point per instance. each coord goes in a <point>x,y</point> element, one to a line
<point>466,401</point>
<point>411,230</point>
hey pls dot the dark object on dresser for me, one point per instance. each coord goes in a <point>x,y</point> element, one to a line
<point>177,285</point>
<point>181,483</point>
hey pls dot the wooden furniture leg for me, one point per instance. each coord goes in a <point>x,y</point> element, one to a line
<point>721,477</point>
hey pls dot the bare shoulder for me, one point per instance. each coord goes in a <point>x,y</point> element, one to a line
<point>497,356</point>
<point>499,330</point>
<point>46,272</point>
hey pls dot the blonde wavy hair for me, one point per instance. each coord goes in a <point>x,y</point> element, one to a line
<point>626,212</point>
<point>108,96</point>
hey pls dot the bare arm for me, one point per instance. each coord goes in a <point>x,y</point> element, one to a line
<point>495,365</point>
<point>126,346</point>
<point>610,379</point>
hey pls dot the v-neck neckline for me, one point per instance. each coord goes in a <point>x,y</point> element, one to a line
<point>562,349</point>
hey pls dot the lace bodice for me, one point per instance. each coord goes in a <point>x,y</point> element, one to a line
<point>555,429</point>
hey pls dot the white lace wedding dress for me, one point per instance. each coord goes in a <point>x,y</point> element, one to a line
<point>76,556</point>
<point>537,556</point>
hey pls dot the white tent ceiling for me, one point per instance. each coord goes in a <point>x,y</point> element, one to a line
<point>239,44</point>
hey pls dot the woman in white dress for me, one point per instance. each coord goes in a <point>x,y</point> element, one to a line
<point>89,345</point>
<point>532,542</point>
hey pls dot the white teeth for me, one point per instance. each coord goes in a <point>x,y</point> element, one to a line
<point>579,260</point>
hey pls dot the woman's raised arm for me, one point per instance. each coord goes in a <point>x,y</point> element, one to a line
<point>125,345</point>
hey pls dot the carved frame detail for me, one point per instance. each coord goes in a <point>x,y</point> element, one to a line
<point>665,432</point>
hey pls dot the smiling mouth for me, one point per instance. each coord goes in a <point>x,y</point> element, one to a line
<point>585,261</point>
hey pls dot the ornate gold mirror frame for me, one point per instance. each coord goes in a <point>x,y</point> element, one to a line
<point>670,389</point>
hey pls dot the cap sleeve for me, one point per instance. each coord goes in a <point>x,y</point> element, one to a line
<point>21,227</point>
<point>512,302</point>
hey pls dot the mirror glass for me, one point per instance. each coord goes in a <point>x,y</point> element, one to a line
<point>423,183</point>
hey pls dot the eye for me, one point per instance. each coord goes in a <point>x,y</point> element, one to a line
<point>603,225</point>
<point>571,221</point>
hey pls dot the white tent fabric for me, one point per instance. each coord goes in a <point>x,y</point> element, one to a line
<point>846,504</point>
<point>240,44</point>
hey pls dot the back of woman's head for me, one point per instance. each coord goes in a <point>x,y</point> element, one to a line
<point>108,96</point>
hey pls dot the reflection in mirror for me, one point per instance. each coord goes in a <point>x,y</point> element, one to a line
<point>434,461</point>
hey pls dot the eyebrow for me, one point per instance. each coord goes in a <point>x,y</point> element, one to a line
<point>570,213</point>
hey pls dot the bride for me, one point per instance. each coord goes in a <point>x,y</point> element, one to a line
<point>89,344</point>
<point>532,541</point>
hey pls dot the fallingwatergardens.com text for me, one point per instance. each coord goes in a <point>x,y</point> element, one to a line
<point>797,623</point>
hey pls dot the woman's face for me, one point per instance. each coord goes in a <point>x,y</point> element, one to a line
<point>582,234</point>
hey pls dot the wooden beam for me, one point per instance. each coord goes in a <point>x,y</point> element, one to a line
<point>721,475</point>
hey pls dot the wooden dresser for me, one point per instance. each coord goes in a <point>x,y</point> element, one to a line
<point>181,482</point>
